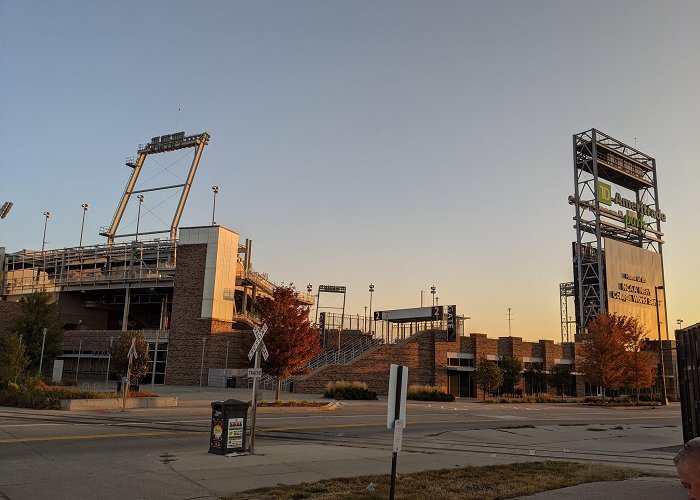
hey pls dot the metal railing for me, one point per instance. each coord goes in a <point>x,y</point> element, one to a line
<point>345,354</point>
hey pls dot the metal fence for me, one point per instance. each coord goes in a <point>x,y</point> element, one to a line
<point>688,350</point>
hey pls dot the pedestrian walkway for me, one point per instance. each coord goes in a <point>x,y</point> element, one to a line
<point>650,488</point>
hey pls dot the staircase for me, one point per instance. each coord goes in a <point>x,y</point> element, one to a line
<point>345,354</point>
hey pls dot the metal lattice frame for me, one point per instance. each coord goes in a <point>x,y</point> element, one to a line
<point>566,290</point>
<point>161,144</point>
<point>597,156</point>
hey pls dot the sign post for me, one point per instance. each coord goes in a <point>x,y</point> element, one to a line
<point>396,414</point>
<point>257,349</point>
<point>127,380</point>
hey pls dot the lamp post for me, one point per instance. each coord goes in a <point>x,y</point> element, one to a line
<point>371,292</point>
<point>661,352</point>
<point>432,290</point>
<point>82,225</point>
<point>680,323</point>
<point>138,215</point>
<point>43,342</point>
<point>215,189</point>
<point>47,216</point>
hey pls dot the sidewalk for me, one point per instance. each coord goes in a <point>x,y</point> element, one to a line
<point>294,463</point>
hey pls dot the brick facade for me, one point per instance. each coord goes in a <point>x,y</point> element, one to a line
<point>189,332</point>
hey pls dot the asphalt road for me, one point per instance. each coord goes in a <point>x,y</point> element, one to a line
<point>107,454</point>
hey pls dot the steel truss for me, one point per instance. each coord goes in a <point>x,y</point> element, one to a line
<point>160,144</point>
<point>597,156</point>
<point>566,290</point>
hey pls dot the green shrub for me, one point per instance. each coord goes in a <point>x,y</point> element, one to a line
<point>428,393</point>
<point>36,394</point>
<point>348,390</point>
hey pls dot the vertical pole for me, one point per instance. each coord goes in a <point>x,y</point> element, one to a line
<point>213,210</point>
<point>127,382</point>
<point>201,366</point>
<point>109,361</point>
<point>342,321</point>
<point>255,403</point>
<point>155,356</point>
<point>226,362</point>
<point>41,359</point>
<point>661,351</point>
<point>421,298</point>
<point>82,225</point>
<point>77,366</point>
<point>397,413</point>
<point>127,304</point>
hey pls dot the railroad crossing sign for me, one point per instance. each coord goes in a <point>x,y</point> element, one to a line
<point>259,333</point>
<point>254,372</point>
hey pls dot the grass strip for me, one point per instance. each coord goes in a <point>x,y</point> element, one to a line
<point>483,482</point>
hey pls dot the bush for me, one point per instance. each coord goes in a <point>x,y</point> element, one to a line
<point>348,390</point>
<point>36,394</point>
<point>428,393</point>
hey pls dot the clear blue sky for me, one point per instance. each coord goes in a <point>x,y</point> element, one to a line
<point>400,143</point>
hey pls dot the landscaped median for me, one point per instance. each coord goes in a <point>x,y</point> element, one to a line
<point>41,396</point>
<point>485,482</point>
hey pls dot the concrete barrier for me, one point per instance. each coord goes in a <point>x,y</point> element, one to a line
<point>116,403</point>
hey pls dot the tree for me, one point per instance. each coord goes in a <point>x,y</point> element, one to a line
<point>603,353</point>
<point>639,363</point>
<point>511,368</point>
<point>39,312</point>
<point>488,375</point>
<point>560,377</point>
<point>13,358</point>
<point>119,352</point>
<point>291,339</point>
<point>536,378</point>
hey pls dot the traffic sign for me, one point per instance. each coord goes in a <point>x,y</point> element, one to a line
<point>259,333</point>
<point>254,372</point>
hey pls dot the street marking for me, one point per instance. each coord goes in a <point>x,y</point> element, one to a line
<point>98,436</point>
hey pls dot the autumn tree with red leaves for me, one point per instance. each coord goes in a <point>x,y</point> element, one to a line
<point>613,355</point>
<point>603,353</point>
<point>291,339</point>
<point>639,363</point>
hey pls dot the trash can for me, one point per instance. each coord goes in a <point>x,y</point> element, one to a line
<point>228,426</point>
<point>230,382</point>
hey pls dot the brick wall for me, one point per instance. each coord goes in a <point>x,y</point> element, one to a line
<point>417,353</point>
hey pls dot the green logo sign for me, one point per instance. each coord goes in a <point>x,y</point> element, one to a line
<point>604,193</point>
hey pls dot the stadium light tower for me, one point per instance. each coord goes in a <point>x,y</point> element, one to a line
<point>215,189</point>
<point>82,226</point>
<point>47,216</point>
<point>138,215</point>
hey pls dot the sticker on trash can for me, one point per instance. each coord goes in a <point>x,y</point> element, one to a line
<point>235,433</point>
<point>217,431</point>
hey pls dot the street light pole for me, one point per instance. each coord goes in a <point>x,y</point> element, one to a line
<point>138,216</point>
<point>661,352</point>
<point>47,216</point>
<point>371,292</point>
<point>432,290</point>
<point>680,324</point>
<point>41,359</point>
<point>215,189</point>
<point>82,226</point>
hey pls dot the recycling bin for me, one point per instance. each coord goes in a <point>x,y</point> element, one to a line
<point>228,426</point>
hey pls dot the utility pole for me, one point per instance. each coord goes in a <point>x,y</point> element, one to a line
<point>510,317</point>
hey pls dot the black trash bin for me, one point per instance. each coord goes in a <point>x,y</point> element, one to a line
<point>228,426</point>
<point>230,382</point>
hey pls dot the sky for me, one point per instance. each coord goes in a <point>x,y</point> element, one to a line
<point>400,143</point>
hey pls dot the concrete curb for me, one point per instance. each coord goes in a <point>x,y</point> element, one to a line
<point>116,403</point>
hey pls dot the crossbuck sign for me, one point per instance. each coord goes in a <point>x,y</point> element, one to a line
<point>259,333</point>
